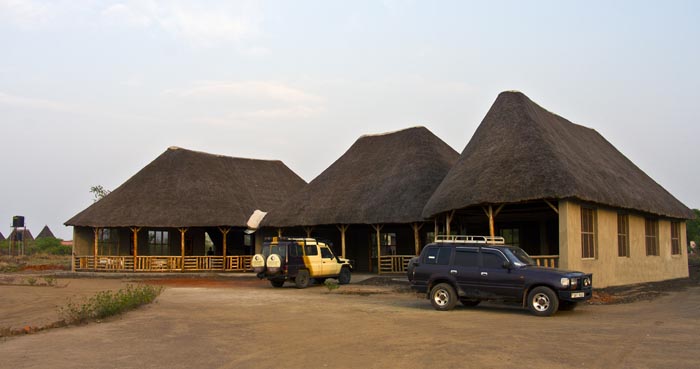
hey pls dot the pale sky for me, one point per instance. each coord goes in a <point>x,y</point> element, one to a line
<point>92,91</point>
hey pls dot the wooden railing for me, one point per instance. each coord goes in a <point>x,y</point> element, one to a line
<point>394,263</point>
<point>163,263</point>
<point>551,261</point>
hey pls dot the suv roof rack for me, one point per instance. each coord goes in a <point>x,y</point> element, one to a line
<point>469,239</point>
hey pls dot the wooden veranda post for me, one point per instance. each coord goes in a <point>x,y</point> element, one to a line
<point>182,246</point>
<point>135,231</point>
<point>342,228</point>
<point>279,232</point>
<point>377,229</point>
<point>224,232</point>
<point>492,215</point>
<point>448,220</point>
<point>416,235</point>
<point>308,231</point>
<point>94,248</point>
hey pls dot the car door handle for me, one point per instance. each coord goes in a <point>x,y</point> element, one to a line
<point>484,274</point>
<point>453,272</point>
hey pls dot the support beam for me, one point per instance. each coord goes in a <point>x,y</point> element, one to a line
<point>224,232</point>
<point>308,231</point>
<point>96,231</point>
<point>135,231</point>
<point>435,230</point>
<point>556,210</point>
<point>182,247</point>
<point>279,232</point>
<point>342,228</point>
<point>416,235</point>
<point>448,220</point>
<point>377,229</point>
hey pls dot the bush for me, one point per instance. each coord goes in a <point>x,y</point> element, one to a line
<point>107,303</point>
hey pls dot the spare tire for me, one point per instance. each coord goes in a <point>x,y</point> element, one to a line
<point>274,263</point>
<point>258,263</point>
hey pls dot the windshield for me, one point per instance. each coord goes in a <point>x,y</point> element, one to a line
<point>519,257</point>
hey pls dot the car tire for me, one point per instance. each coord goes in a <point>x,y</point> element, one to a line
<point>567,305</point>
<point>344,276</point>
<point>470,303</point>
<point>276,283</point>
<point>542,301</point>
<point>302,279</point>
<point>443,297</point>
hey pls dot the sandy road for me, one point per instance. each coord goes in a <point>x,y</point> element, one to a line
<point>253,325</point>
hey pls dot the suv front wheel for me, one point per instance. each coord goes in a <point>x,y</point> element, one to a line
<point>443,297</point>
<point>542,301</point>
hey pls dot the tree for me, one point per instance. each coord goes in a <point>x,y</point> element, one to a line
<point>99,192</point>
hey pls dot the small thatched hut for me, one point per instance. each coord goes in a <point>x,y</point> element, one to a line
<point>45,233</point>
<point>369,202</point>
<point>562,190</point>
<point>160,218</point>
<point>2,238</point>
<point>21,234</point>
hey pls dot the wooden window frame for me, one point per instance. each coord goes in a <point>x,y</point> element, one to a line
<point>623,235</point>
<point>675,238</point>
<point>589,244</point>
<point>651,236</point>
<point>163,245</point>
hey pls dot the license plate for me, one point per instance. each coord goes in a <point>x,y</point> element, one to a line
<point>575,295</point>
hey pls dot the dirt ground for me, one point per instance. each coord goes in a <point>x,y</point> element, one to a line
<point>245,323</point>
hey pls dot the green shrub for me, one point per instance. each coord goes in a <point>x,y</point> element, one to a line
<point>50,281</point>
<point>107,303</point>
<point>31,281</point>
<point>331,284</point>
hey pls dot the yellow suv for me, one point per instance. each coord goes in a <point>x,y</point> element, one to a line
<point>299,260</point>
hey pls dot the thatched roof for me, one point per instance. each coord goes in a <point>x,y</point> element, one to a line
<point>27,234</point>
<point>183,188</point>
<point>383,178</point>
<point>2,238</point>
<point>523,152</point>
<point>45,233</point>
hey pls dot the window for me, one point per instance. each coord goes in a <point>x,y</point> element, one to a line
<point>438,255</point>
<point>675,238</point>
<point>492,260</point>
<point>326,253</point>
<point>466,257</point>
<point>588,244</point>
<point>311,250</point>
<point>511,236</point>
<point>623,235</point>
<point>651,236</point>
<point>158,243</point>
<point>106,241</point>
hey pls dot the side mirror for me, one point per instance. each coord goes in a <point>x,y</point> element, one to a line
<point>507,265</point>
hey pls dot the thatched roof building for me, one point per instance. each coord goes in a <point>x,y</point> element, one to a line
<point>522,152</point>
<point>45,233</point>
<point>385,178</point>
<point>183,188</point>
<point>2,238</point>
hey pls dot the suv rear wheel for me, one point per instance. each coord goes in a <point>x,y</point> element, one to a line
<point>542,301</point>
<point>302,279</point>
<point>443,297</point>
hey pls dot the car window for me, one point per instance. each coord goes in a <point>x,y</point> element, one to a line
<point>492,259</point>
<point>326,253</point>
<point>311,250</point>
<point>438,255</point>
<point>466,257</point>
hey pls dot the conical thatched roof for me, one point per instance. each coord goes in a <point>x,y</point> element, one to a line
<point>523,152</point>
<point>45,233</point>
<point>183,188</point>
<point>2,238</point>
<point>383,178</point>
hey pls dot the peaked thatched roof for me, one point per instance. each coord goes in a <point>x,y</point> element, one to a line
<point>183,188</point>
<point>27,234</point>
<point>523,152</point>
<point>381,179</point>
<point>45,233</point>
<point>2,238</point>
